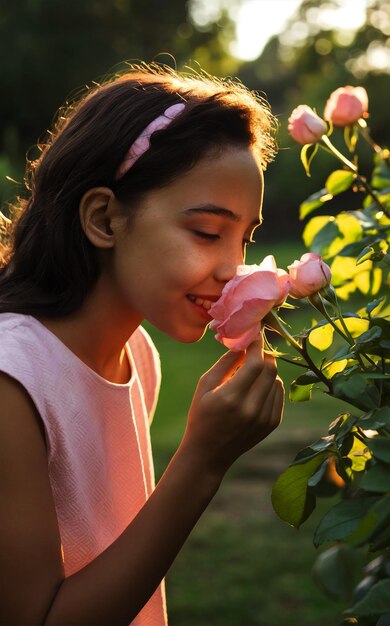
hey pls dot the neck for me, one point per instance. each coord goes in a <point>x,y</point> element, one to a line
<point>98,331</point>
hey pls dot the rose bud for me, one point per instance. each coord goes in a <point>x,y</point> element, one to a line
<point>245,300</point>
<point>346,105</point>
<point>308,275</point>
<point>305,126</point>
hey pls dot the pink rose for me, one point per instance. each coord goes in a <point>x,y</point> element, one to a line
<point>346,105</point>
<point>308,275</point>
<point>245,300</point>
<point>305,126</point>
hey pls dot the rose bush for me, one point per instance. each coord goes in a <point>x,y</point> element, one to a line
<point>346,105</point>
<point>354,366</point>
<point>245,300</point>
<point>351,361</point>
<point>305,125</point>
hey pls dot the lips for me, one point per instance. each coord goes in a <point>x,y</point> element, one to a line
<point>203,301</point>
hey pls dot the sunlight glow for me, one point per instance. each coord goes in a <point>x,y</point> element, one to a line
<point>257,22</point>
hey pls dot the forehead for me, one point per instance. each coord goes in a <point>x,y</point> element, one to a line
<point>231,180</point>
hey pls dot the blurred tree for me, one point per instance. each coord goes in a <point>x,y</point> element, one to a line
<point>50,50</point>
<point>303,65</point>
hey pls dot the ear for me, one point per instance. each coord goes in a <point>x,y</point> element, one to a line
<point>97,212</point>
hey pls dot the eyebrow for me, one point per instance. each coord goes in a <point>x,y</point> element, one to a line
<point>218,210</point>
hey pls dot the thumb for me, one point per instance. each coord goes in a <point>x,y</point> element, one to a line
<point>221,370</point>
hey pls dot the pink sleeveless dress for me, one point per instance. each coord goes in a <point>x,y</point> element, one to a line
<point>97,436</point>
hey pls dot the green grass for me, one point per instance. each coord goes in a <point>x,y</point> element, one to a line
<point>243,566</point>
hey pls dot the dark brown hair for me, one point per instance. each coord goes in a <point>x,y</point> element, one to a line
<point>50,266</point>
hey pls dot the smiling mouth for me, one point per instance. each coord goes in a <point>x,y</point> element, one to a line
<point>205,304</point>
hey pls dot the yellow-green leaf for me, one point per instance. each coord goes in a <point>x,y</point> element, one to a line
<point>335,367</point>
<point>321,337</point>
<point>339,181</point>
<point>313,227</point>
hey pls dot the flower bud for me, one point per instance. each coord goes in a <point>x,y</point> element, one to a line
<point>346,105</point>
<point>305,126</point>
<point>308,275</point>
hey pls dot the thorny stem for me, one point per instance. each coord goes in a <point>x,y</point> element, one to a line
<point>367,137</point>
<point>329,147</point>
<point>273,321</point>
<point>373,195</point>
<point>283,358</point>
<point>338,154</point>
<point>317,302</point>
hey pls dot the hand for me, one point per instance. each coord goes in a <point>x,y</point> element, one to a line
<point>237,403</point>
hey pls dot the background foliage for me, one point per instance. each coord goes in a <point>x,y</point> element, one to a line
<point>241,565</point>
<point>50,51</point>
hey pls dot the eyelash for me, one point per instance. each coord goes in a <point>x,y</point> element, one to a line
<point>213,237</point>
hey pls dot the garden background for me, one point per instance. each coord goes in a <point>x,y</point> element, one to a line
<point>242,566</point>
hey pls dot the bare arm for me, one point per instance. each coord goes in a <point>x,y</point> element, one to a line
<point>225,420</point>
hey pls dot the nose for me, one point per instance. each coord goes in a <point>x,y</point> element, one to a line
<point>226,269</point>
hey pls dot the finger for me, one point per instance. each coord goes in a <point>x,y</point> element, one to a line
<point>276,412</point>
<point>260,391</point>
<point>250,369</point>
<point>254,384</point>
<point>221,370</point>
<point>278,408</point>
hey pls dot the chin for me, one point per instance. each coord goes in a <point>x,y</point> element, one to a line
<point>186,336</point>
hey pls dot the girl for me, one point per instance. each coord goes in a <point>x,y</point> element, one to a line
<point>141,205</point>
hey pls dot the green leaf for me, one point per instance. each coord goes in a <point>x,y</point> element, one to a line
<point>333,572</point>
<point>290,497</point>
<point>372,523</point>
<point>307,378</point>
<point>325,238</point>
<point>374,252</point>
<point>339,181</point>
<point>369,335</point>
<point>372,307</point>
<point>375,602</point>
<point>313,202</point>
<point>325,443</point>
<point>381,174</point>
<point>300,393</point>
<point>383,196</point>
<point>315,226</point>
<point>342,520</point>
<point>355,390</point>
<point>342,425</point>
<point>308,153</point>
<point>321,337</point>
<point>378,418</point>
<point>376,478</point>
<point>380,448</point>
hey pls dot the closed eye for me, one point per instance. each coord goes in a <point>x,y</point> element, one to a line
<point>203,235</point>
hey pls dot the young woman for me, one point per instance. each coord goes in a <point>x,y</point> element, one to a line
<point>140,208</point>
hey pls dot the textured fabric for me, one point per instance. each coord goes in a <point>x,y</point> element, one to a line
<point>97,436</point>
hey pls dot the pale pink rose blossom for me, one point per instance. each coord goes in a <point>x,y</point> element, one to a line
<point>245,300</point>
<point>308,275</point>
<point>305,126</point>
<point>346,105</point>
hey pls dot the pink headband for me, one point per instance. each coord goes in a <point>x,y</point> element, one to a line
<point>142,143</point>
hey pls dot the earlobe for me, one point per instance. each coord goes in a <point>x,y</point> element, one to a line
<point>95,216</point>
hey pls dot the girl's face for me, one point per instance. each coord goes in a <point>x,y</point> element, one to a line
<point>186,241</point>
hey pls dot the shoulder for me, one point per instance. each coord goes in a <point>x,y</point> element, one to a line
<point>22,355</point>
<point>147,363</point>
<point>144,351</point>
